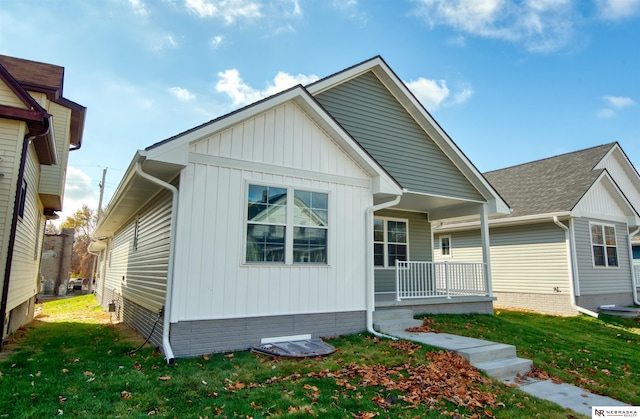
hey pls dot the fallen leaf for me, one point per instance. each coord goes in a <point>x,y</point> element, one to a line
<point>64,371</point>
<point>62,399</point>
<point>124,394</point>
<point>88,373</point>
<point>164,378</point>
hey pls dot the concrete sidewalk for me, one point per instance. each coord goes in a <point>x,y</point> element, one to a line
<point>566,395</point>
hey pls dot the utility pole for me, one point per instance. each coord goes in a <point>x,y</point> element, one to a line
<point>95,257</point>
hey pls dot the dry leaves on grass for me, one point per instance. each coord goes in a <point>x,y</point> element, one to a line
<point>447,376</point>
<point>427,327</point>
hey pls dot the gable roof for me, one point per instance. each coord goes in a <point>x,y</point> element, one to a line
<point>408,103</point>
<point>552,185</point>
<point>48,79</point>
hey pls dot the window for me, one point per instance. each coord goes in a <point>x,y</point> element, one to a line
<point>603,244</point>
<point>22,199</point>
<point>445,245</point>
<point>390,241</point>
<point>286,225</point>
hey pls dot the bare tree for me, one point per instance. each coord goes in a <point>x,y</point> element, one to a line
<point>84,223</point>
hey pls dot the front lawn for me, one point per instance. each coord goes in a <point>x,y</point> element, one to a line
<point>601,355</point>
<point>72,362</point>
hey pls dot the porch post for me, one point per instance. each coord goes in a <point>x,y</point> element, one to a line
<point>484,237</point>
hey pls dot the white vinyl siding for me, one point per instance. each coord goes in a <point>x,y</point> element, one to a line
<point>625,176</point>
<point>282,146</point>
<point>11,136</point>
<point>8,98</point>
<point>140,275</point>
<point>24,270</point>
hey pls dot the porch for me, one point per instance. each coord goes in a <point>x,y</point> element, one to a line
<point>439,287</point>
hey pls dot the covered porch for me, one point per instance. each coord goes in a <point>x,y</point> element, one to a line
<point>405,271</point>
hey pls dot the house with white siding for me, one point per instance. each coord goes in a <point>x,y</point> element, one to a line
<point>298,215</point>
<point>38,129</point>
<point>566,247</point>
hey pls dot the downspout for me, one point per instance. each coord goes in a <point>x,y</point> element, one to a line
<point>634,285</point>
<point>574,305</point>
<point>30,135</point>
<point>166,345</point>
<point>370,299</point>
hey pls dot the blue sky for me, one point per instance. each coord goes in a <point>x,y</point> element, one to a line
<point>510,81</point>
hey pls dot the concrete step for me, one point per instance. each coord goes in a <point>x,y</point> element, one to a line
<point>394,325</point>
<point>490,352</point>
<point>392,314</point>
<point>501,368</point>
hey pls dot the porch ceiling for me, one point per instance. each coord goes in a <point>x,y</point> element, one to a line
<point>438,207</point>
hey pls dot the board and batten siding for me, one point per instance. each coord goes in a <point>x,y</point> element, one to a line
<point>280,147</point>
<point>383,127</point>
<point>602,280</point>
<point>624,176</point>
<point>25,266</point>
<point>525,258</point>
<point>420,249</point>
<point>139,273</point>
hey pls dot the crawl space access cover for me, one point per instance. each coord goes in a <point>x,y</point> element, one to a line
<point>296,348</point>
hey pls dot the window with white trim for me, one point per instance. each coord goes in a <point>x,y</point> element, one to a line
<point>445,246</point>
<point>603,245</point>
<point>286,225</point>
<point>390,241</point>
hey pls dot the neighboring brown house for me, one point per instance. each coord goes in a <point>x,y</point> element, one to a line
<point>38,128</point>
<point>57,250</point>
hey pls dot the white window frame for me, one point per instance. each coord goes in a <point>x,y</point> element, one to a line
<point>604,245</point>
<point>450,254</point>
<point>386,243</point>
<point>289,225</point>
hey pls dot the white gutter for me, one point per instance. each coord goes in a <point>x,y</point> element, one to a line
<point>370,273</point>
<point>634,285</point>
<point>571,279</point>
<point>166,345</point>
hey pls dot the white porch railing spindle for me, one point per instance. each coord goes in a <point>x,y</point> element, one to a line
<point>439,279</point>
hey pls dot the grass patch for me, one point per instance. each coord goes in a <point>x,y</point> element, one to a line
<point>601,355</point>
<point>71,361</point>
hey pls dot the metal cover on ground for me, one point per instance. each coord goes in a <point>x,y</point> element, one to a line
<point>296,349</point>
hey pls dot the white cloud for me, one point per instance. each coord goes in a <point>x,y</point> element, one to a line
<point>216,41</point>
<point>614,103</point>
<point>182,94</point>
<point>541,25</point>
<point>228,10</point>
<point>618,102</point>
<point>138,7</point>
<point>78,190</point>
<point>617,9</point>
<point>433,94</point>
<point>230,82</point>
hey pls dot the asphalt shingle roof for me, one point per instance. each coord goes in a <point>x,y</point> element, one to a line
<point>555,184</point>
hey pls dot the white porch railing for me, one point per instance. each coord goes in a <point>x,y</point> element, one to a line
<point>439,279</point>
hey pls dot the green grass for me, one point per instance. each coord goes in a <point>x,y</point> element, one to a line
<point>71,363</point>
<point>601,355</point>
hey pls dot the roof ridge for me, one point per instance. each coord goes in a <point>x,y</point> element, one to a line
<point>608,145</point>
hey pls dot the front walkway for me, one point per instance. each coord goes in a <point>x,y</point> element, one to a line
<point>565,395</point>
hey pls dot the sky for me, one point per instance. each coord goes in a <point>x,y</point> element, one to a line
<point>510,81</point>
